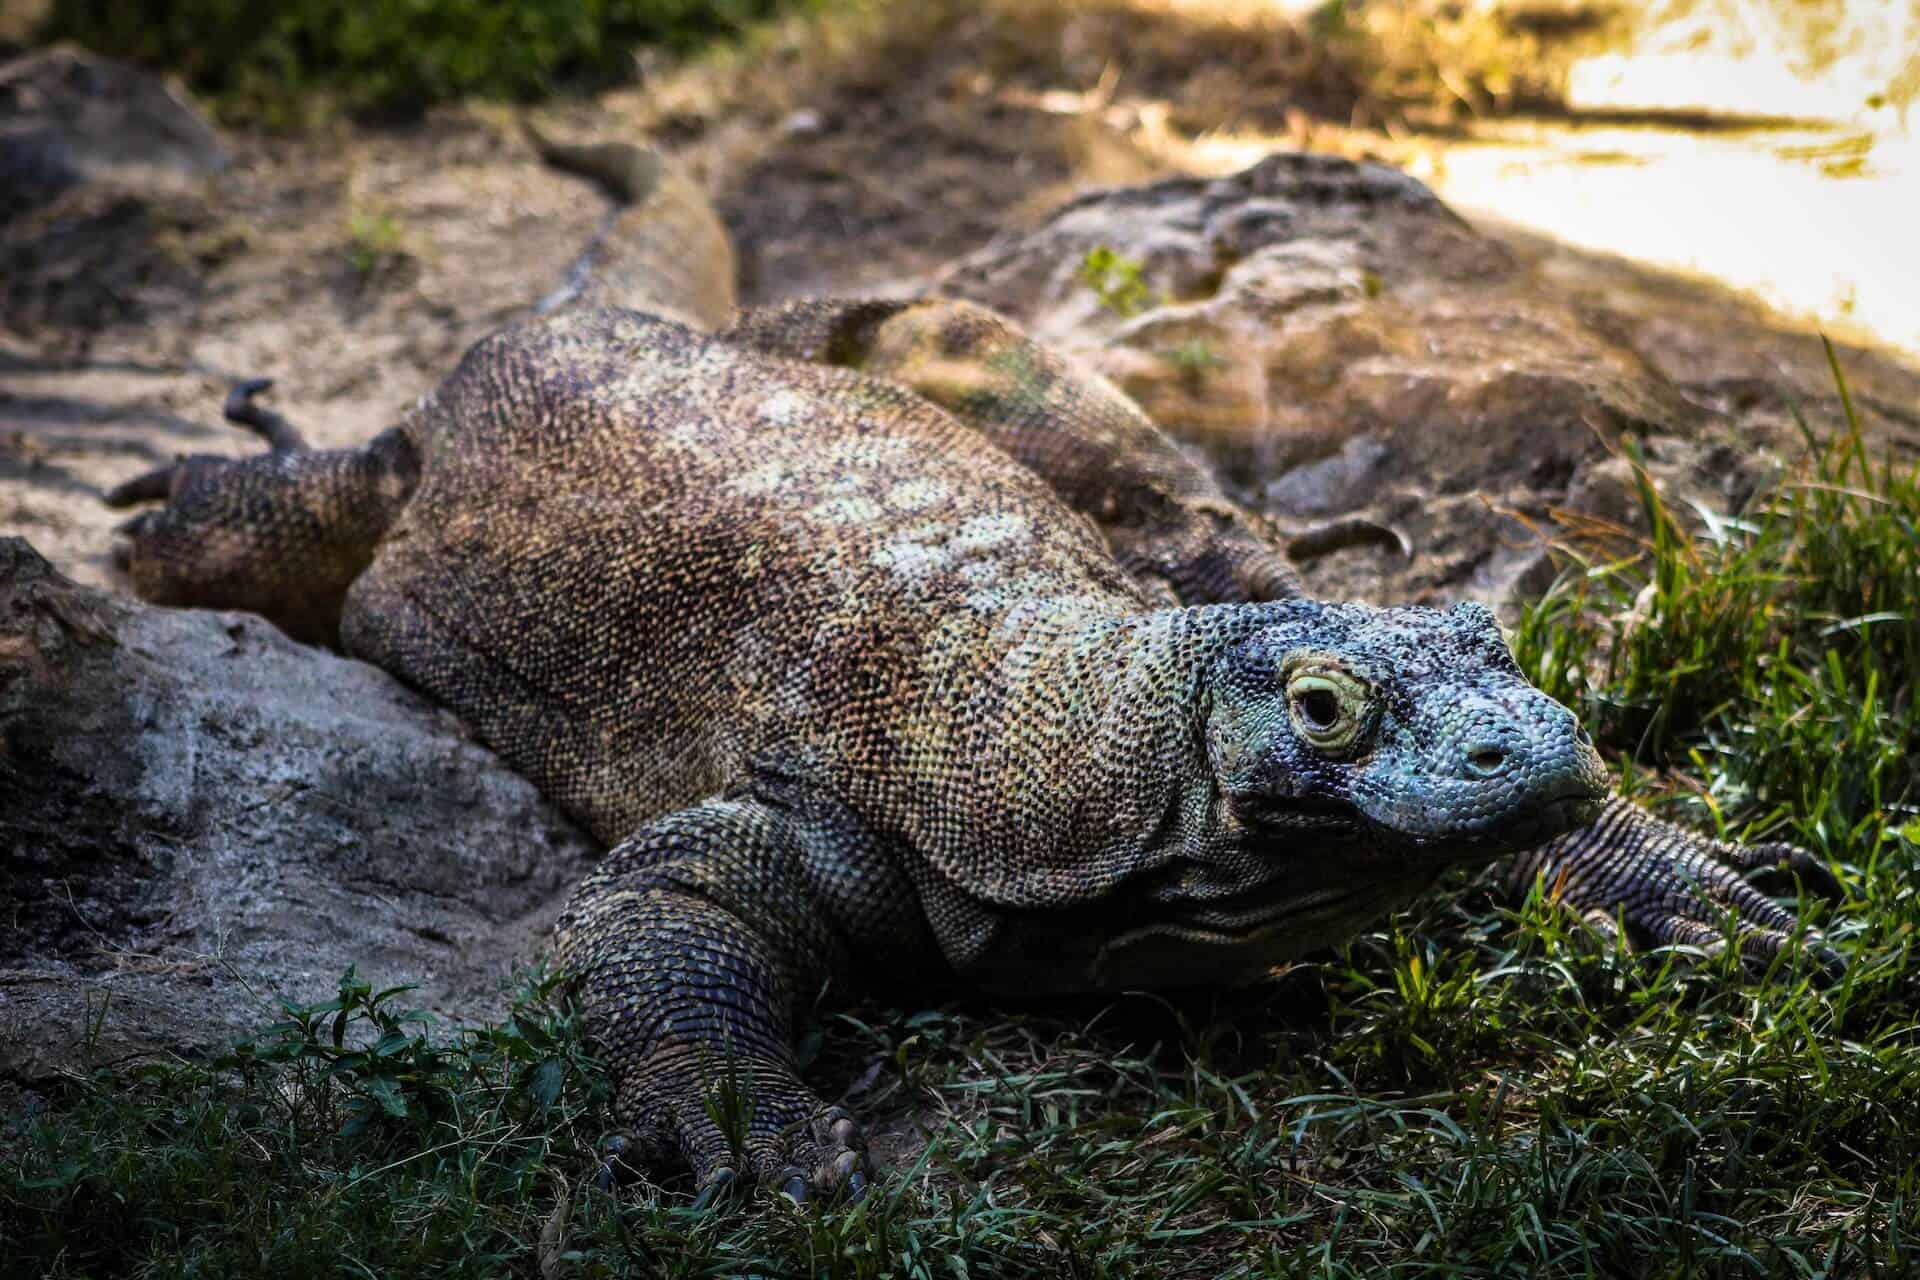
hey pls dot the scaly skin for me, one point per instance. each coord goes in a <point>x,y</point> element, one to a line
<point>1174,529</point>
<point>958,669</point>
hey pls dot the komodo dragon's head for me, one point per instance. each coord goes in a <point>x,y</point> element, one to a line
<point>1407,730</point>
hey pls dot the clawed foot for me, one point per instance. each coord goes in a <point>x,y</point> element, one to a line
<point>792,1142</point>
<point>1668,886</point>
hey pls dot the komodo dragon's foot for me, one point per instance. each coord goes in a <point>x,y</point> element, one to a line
<point>1669,886</point>
<point>283,534</point>
<point>732,1137</point>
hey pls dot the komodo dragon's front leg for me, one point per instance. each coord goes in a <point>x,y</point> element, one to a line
<point>698,942</point>
<point>1171,524</point>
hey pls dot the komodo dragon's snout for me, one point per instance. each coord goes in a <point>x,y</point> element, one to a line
<point>1403,729</point>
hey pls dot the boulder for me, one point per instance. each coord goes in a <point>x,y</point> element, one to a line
<point>202,817</point>
<point>1339,343</point>
<point>103,207</point>
<point>68,117</point>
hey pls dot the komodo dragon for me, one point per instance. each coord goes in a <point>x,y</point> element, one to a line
<point>877,640</point>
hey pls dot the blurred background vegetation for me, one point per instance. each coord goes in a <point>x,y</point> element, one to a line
<point>264,62</point>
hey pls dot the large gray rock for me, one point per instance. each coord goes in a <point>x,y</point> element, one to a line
<point>104,212</point>
<point>1339,343</point>
<point>198,816</point>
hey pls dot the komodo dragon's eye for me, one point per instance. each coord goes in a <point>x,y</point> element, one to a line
<point>1329,705</point>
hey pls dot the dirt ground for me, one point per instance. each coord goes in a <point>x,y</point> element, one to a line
<point>353,267</point>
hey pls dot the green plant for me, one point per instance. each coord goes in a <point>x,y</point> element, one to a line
<point>1772,658</point>
<point>1117,281</point>
<point>265,63</point>
<point>1195,359</point>
<point>375,239</point>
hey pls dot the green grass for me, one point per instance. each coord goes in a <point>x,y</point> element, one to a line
<point>375,239</point>
<point>283,63</point>
<point>1765,666</point>
<point>1466,1091</point>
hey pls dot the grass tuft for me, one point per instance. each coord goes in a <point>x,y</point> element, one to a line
<point>1765,666</point>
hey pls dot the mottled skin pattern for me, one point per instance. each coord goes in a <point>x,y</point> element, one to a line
<point>1166,520</point>
<point>879,641</point>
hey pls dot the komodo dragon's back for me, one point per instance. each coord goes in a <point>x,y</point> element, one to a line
<point>638,559</point>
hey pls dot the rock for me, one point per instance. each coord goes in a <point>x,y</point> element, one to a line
<point>802,124</point>
<point>199,816</point>
<point>103,213</point>
<point>68,117</point>
<point>1339,483</point>
<point>1340,343</point>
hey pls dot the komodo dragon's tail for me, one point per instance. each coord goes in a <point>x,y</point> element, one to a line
<point>663,249</point>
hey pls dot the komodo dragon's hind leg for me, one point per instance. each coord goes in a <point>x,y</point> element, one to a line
<point>283,534</point>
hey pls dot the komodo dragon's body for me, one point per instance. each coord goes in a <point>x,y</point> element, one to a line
<point>951,665</point>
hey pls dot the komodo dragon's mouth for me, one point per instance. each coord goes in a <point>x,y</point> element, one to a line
<point>1285,821</point>
<point>1249,913</point>
<point>1280,818</point>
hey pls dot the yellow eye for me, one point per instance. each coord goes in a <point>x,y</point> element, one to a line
<point>1329,705</point>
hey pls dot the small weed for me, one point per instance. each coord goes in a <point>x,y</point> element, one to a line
<point>1195,359</point>
<point>1118,282</point>
<point>729,1102</point>
<point>376,240</point>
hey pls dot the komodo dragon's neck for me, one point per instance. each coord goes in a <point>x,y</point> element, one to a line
<point>1028,887</point>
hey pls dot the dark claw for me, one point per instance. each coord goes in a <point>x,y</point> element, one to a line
<point>1830,965</point>
<point>149,487</point>
<point>1820,878</point>
<point>718,1187</point>
<point>1827,966</point>
<point>1351,531</point>
<point>856,1186</point>
<point>613,1169</point>
<point>796,1188</point>
<point>134,526</point>
<point>282,436</point>
<point>1777,864</point>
